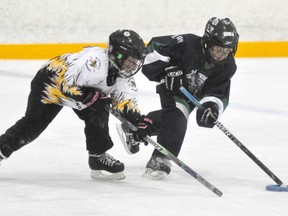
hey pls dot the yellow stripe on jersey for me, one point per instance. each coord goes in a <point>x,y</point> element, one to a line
<point>53,95</point>
<point>120,105</point>
<point>55,91</point>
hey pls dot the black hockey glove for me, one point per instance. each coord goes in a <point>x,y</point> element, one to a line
<point>173,78</point>
<point>94,100</point>
<point>143,129</point>
<point>100,103</point>
<point>131,114</point>
<point>207,116</point>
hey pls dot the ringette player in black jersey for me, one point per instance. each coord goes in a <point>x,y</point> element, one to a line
<point>204,66</point>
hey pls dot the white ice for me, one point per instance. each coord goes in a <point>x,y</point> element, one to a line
<point>50,176</point>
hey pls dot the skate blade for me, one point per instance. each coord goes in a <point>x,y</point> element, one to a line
<point>154,174</point>
<point>123,139</point>
<point>101,174</point>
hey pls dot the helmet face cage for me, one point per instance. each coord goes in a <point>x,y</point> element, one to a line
<point>126,52</point>
<point>220,39</point>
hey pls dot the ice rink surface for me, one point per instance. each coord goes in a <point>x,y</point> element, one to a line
<point>50,176</point>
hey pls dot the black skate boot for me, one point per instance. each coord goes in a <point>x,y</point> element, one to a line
<point>131,146</point>
<point>158,167</point>
<point>104,166</point>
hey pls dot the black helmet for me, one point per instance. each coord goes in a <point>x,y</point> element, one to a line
<point>126,52</point>
<point>220,33</point>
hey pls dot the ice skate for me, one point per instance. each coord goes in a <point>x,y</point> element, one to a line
<point>1,157</point>
<point>131,146</point>
<point>104,166</point>
<point>158,167</point>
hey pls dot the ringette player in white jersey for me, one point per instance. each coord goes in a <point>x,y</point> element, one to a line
<point>84,81</point>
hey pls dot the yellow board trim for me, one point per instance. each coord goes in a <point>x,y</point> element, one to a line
<point>263,49</point>
<point>47,51</point>
<point>40,51</point>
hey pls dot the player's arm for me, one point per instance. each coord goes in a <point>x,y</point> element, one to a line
<point>215,98</point>
<point>162,52</point>
<point>81,85</point>
<point>82,97</point>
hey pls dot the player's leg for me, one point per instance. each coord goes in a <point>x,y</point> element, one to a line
<point>170,135</point>
<point>98,142</point>
<point>36,119</point>
<point>171,132</point>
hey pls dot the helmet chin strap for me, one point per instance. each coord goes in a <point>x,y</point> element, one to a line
<point>112,75</point>
<point>116,71</point>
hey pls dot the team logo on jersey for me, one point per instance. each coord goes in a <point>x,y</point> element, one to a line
<point>93,63</point>
<point>196,80</point>
<point>132,84</point>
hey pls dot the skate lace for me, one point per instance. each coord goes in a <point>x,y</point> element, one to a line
<point>107,159</point>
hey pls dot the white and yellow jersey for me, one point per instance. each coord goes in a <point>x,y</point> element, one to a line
<point>66,75</point>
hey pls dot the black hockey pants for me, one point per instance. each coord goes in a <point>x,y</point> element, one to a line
<point>170,123</point>
<point>38,116</point>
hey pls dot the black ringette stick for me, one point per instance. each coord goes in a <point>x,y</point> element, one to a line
<point>234,139</point>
